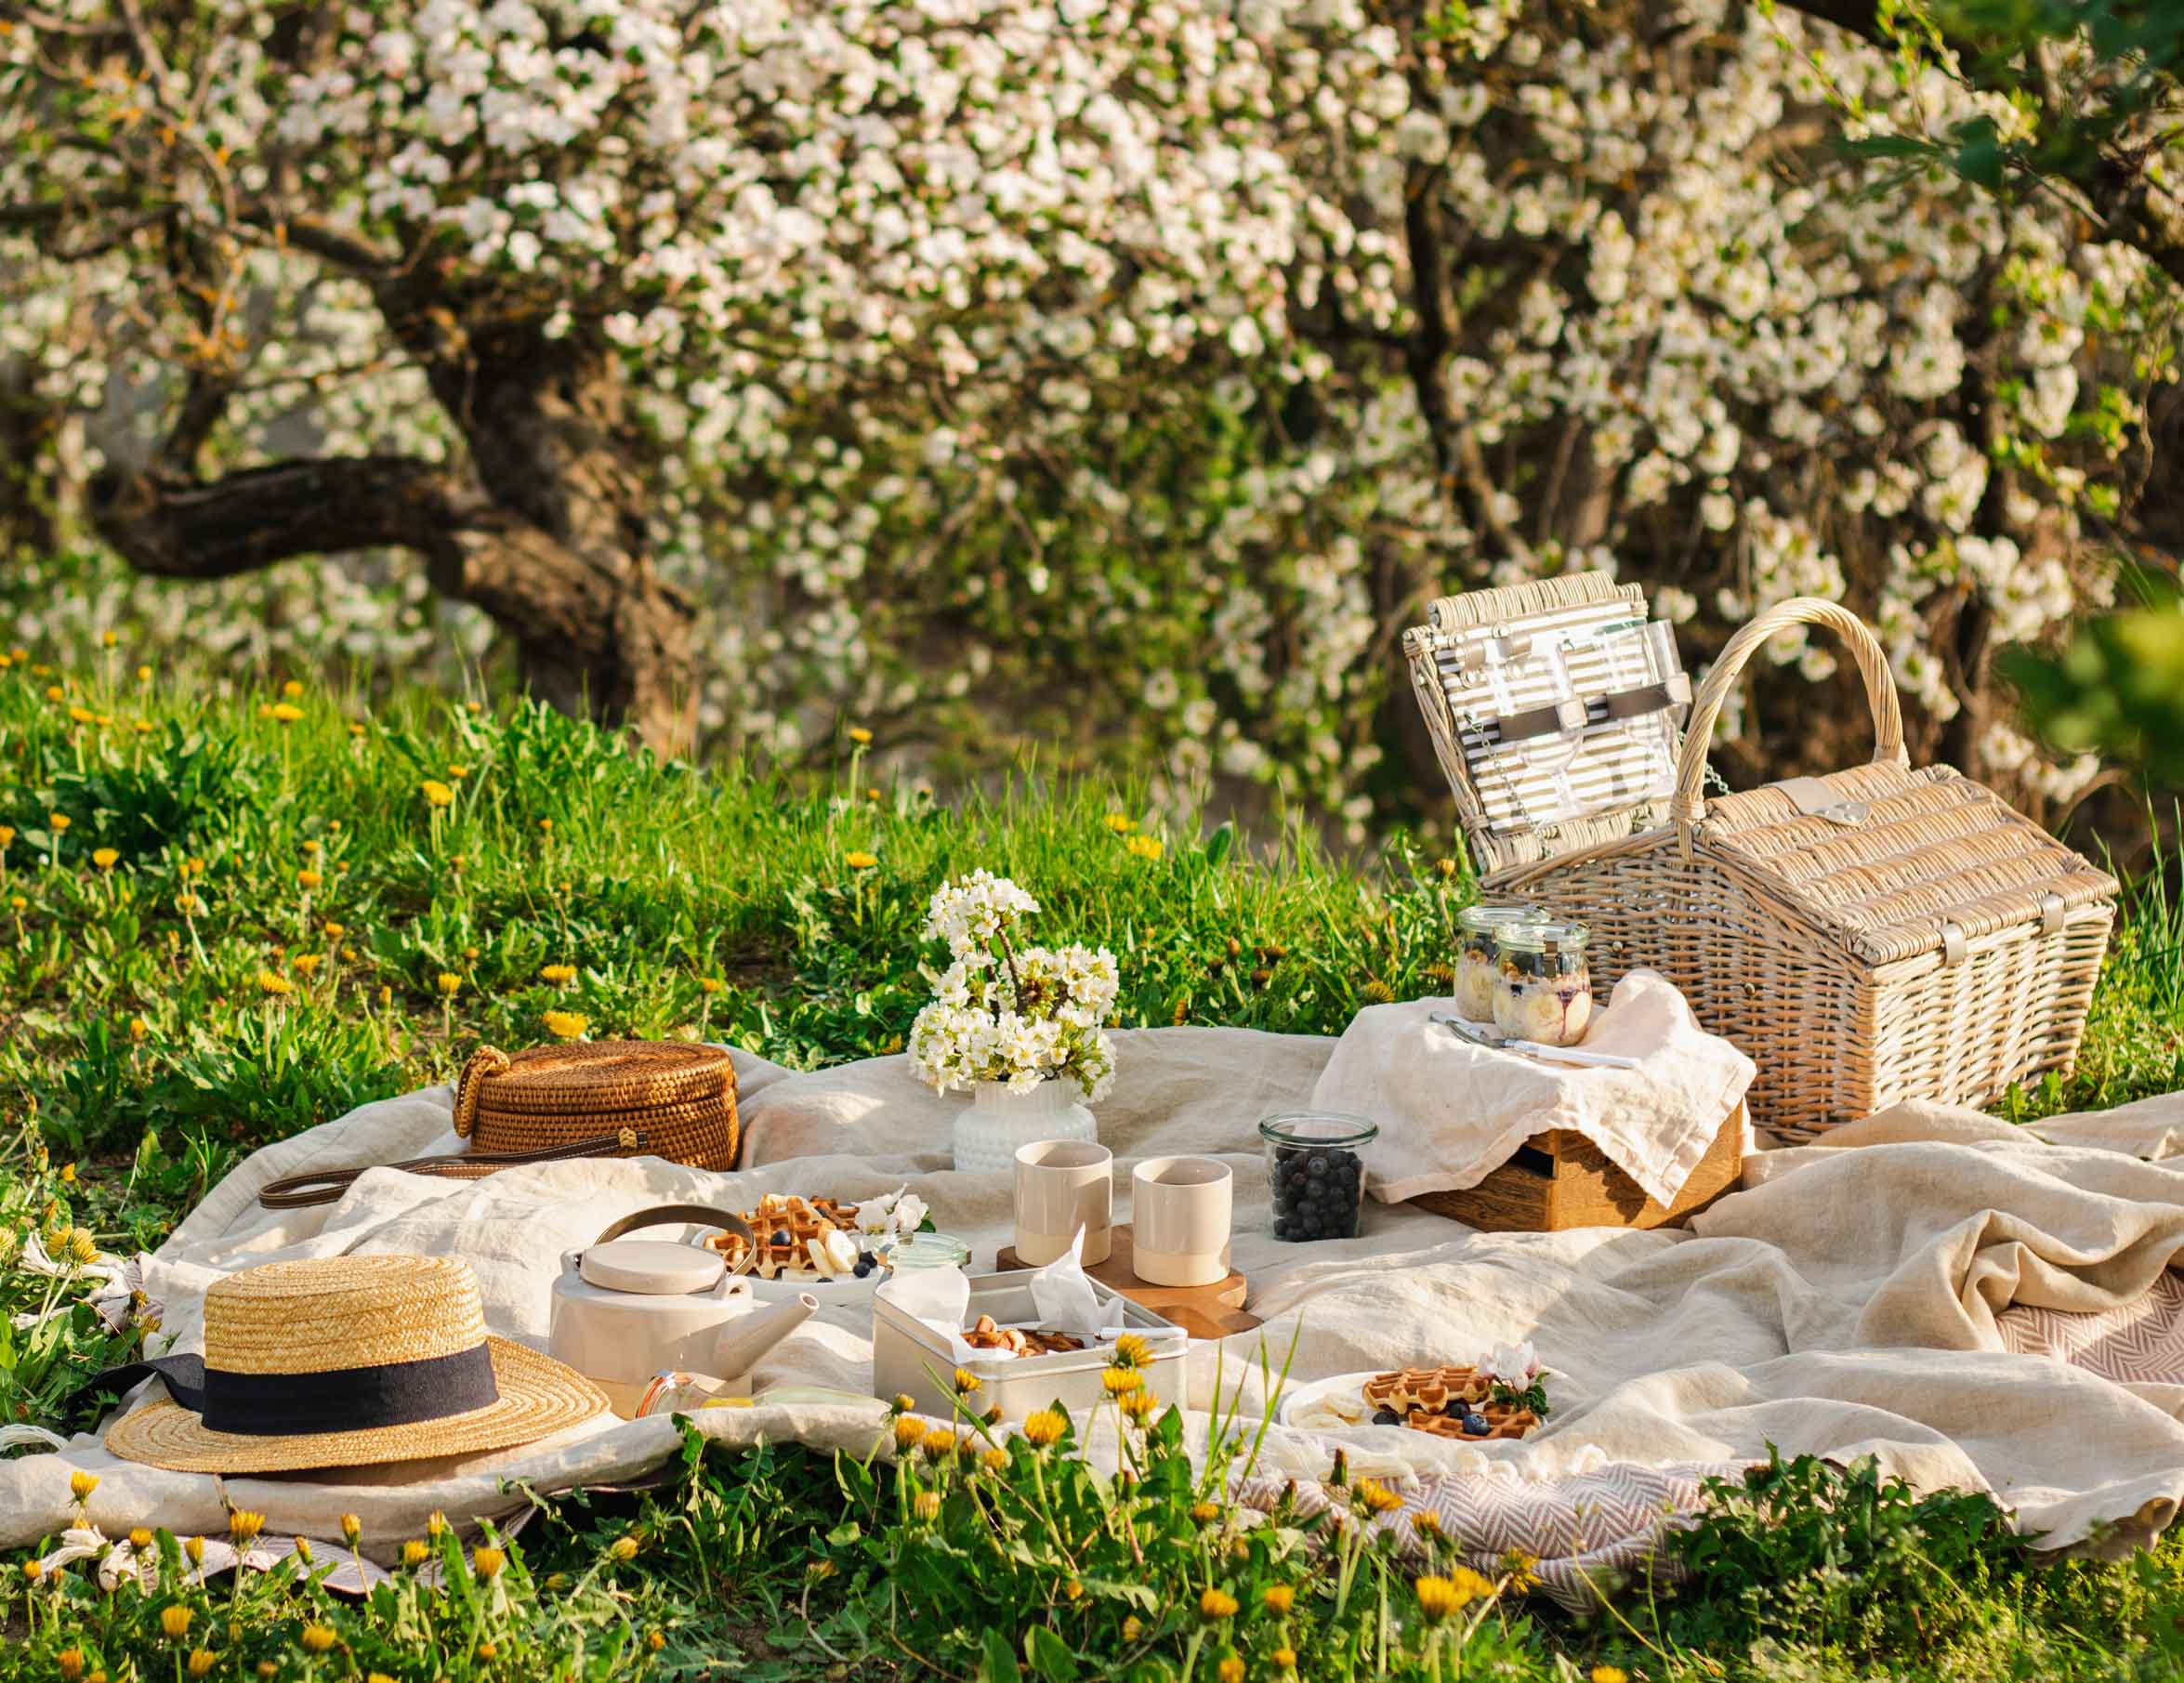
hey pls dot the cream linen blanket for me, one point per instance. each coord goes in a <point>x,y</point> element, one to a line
<point>1846,1304</point>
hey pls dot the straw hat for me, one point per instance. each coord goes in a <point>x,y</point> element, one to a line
<point>350,1362</point>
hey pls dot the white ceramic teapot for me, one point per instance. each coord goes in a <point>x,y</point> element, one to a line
<point>626,1309</point>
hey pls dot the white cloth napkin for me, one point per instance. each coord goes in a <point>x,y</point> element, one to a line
<point>1450,1112</point>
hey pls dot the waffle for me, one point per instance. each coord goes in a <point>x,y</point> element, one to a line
<point>986,1333</point>
<point>1502,1421</point>
<point>1427,1390</point>
<point>808,1222</point>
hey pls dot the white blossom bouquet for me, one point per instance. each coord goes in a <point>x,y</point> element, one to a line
<point>1513,1377</point>
<point>1007,1012</point>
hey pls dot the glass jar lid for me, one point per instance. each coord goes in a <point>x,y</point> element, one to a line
<point>1319,1127</point>
<point>1543,935</point>
<point>1479,920</point>
<point>928,1251</point>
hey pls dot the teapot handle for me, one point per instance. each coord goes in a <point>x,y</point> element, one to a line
<point>666,1215</point>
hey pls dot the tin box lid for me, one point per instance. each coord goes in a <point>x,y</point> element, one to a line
<point>656,1267</point>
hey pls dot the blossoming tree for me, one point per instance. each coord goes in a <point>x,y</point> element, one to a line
<point>1111,371</point>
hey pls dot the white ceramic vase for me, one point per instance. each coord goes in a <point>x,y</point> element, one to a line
<point>997,1120</point>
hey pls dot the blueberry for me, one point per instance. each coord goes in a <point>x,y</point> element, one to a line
<point>865,1266</point>
<point>1387,1417</point>
<point>782,1236</point>
<point>824,1280</point>
<point>1477,1426</point>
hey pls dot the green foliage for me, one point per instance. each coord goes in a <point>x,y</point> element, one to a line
<point>2116,689</point>
<point>1804,1552</point>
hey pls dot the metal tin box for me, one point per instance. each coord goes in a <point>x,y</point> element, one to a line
<point>910,1358</point>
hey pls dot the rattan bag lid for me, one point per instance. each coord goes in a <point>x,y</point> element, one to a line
<point>611,1078</point>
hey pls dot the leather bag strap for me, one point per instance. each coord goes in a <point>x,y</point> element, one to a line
<point>324,1186</point>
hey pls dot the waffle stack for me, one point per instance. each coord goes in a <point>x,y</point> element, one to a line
<point>795,1236</point>
<point>671,1098</point>
<point>1442,1399</point>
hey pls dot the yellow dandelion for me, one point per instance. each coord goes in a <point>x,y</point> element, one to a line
<point>1215,1604</point>
<point>1133,1628</point>
<point>415,1552</point>
<point>244,1526</point>
<point>656,1639</point>
<point>1440,1598</point>
<point>1204,1513</point>
<point>82,716</point>
<point>909,1432</point>
<point>547,825</point>
<point>1131,1349</point>
<point>106,858</point>
<point>448,983</point>
<point>272,981</point>
<point>1610,1674</point>
<point>1121,1381</point>
<point>287,713</point>
<point>1283,1659</point>
<point>1278,1600</point>
<point>457,773</point>
<point>355,728</point>
<point>6,836</point>
<point>435,1522</point>
<point>1046,1426</point>
<point>194,1548</point>
<point>351,1528</point>
<point>559,975</point>
<point>1375,1496</point>
<point>1138,1405</point>
<point>487,1563</point>
<point>303,964</point>
<point>1231,1669</point>
<point>386,994</point>
<point>709,984</point>
<point>292,689</point>
<point>174,1620</point>
<point>81,1484</point>
<point>966,1382</point>
<point>82,1246</point>
<point>437,794</point>
<point>71,1661</point>
<point>488,1652</point>
<point>859,735</point>
<point>141,1537</point>
<point>1144,847</point>
<point>303,1549</point>
<point>54,692</point>
<point>33,1569</point>
<point>939,1444</point>
<point>861,862</point>
<point>926,1505</point>
<point>144,674</point>
<point>57,820</point>
<point>138,1028</point>
<point>1122,823</point>
<point>1378,992</point>
<point>201,1660</point>
<point>68,1174</point>
<point>994,1461</point>
<point>335,931</point>
<point>624,1548</point>
<point>316,1638</point>
<point>565,1025</point>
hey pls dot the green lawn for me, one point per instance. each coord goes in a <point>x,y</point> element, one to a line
<point>256,916</point>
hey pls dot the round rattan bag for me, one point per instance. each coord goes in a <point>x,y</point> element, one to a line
<point>671,1098</point>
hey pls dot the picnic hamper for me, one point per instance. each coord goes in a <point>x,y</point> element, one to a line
<point>1869,936</point>
<point>671,1098</point>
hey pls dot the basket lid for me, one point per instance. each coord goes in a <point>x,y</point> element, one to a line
<point>590,1077</point>
<point>1895,863</point>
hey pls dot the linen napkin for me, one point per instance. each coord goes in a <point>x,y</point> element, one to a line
<point>1450,1112</point>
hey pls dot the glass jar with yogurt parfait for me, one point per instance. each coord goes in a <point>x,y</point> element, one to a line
<point>1544,990</point>
<point>1479,955</point>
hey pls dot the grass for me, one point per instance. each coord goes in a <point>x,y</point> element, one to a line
<point>225,919</point>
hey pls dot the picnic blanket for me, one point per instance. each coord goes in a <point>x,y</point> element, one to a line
<point>1874,1294</point>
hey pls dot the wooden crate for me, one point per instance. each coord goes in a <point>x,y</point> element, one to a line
<point>1560,1179</point>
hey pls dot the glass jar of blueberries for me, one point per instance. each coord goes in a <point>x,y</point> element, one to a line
<point>1318,1175</point>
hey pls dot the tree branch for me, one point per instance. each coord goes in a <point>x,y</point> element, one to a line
<point>250,519</point>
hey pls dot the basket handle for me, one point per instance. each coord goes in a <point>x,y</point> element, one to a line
<point>1689,804</point>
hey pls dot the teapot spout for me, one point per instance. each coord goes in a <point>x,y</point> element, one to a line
<point>746,1341</point>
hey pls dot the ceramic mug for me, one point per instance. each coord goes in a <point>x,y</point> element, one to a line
<point>1179,1220</point>
<point>1062,1185</point>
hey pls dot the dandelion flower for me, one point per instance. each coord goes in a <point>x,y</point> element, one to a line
<point>487,1563</point>
<point>81,1484</point>
<point>335,931</point>
<point>106,858</point>
<point>1204,1513</point>
<point>303,964</point>
<point>355,728</point>
<point>1138,1405</point>
<point>448,983</point>
<point>709,984</point>
<point>939,1444</point>
<point>1377,1496</point>
<point>859,861</point>
<point>1121,1381</point>
<point>1132,1351</point>
<point>966,1382</point>
<point>71,1661</point>
<point>1610,1674</point>
<point>1231,1669</point>
<point>82,1246</point>
<point>565,1025</point>
<point>303,1549</point>
<point>437,794</point>
<point>138,1028</point>
<point>1283,1659</point>
<point>54,692</point>
<point>1440,1598</point>
<point>457,773</point>
<point>1122,823</point>
<point>141,1537</point>
<point>307,878</point>
<point>1279,1600</point>
<point>194,1548</point>
<point>1215,1604</point>
<point>286,713</point>
<point>244,1526</point>
<point>926,1505</point>
<point>272,981</point>
<point>316,1638</point>
<point>175,1620</point>
<point>859,735</point>
<point>58,820</point>
<point>415,1552</point>
<point>68,1174</point>
<point>909,1431</point>
<point>547,825</point>
<point>435,1522</point>
<point>351,1528</point>
<point>559,975</point>
<point>83,716</point>
<point>488,1652</point>
<point>1378,992</point>
<point>656,1639</point>
<point>144,674</point>
<point>624,1548</point>
<point>201,1660</point>
<point>1045,1426</point>
<point>6,836</point>
<point>1144,847</point>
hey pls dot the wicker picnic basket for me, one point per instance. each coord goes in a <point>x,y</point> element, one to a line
<point>1866,937</point>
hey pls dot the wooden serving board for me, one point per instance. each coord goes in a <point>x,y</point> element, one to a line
<point>1203,1311</point>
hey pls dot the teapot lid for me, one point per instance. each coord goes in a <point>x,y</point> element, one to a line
<point>657,1268</point>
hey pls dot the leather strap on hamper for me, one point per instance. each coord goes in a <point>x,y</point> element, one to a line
<point>299,1191</point>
